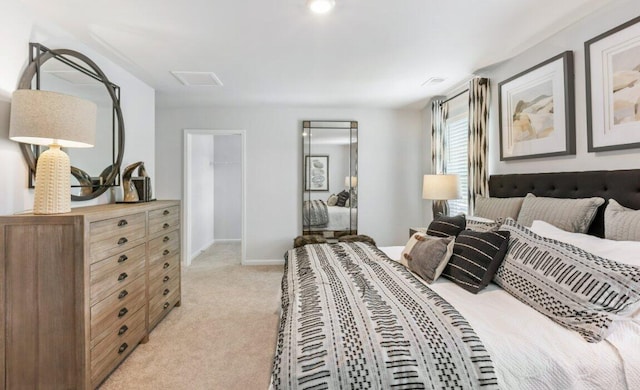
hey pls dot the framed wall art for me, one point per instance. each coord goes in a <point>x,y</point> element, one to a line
<point>612,61</point>
<point>537,111</point>
<point>316,170</point>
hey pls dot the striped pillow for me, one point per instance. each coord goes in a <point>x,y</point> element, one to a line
<point>497,208</point>
<point>621,223</point>
<point>476,257</point>
<point>575,288</point>
<point>572,215</point>
<point>447,226</point>
<point>342,199</point>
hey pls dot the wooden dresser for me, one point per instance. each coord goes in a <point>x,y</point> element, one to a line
<point>80,290</point>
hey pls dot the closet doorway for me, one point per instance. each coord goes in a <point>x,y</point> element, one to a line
<point>213,191</point>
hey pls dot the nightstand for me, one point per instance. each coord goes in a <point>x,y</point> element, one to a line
<point>415,230</point>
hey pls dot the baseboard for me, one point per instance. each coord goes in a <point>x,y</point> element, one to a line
<point>204,248</point>
<point>226,240</point>
<point>263,262</point>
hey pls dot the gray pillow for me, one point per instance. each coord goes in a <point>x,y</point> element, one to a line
<point>427,256</point>
<point>572,215</point>
<point>333,200</point>
<point>621,223</point>
<point>497,208</point>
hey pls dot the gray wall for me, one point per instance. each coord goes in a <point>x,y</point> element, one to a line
<point>390,168</point>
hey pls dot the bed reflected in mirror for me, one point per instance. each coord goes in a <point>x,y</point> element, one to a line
<point>330,178</point>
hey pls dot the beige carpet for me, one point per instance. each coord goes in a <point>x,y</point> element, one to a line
<point>222,337</point>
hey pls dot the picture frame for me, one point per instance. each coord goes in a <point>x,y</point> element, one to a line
<point>316,169</point>
<point>537,111</point>
<point>612,69</point>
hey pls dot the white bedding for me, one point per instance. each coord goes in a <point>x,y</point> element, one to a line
<point>339,218</point>
<point>529,350</point>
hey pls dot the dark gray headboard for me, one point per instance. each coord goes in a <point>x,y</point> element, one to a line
<point>622,185</point>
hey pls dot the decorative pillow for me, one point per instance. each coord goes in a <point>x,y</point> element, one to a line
<point>333,199</point>
<point>443,226</point>
<point>357,238</point>
<point>575,288</point>
<point>497,208</point>
<point>572,215</point>
<point>621,251</point>
<point>342,198</point>
<point>621,223</point>
<point>482,224</point>
<point>427,256</point>
<point>476,257</point>
<point>308,239</point>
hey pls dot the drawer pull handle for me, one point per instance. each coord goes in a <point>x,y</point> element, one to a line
<point>123,258</point>
<point>165,292</point>
<point>166,265</point>
<point>122,312</point>
<point>165,239</point>
<point>123,222</point>
<point>123,294</point>
<point>165,252</point>
<point>165,226</point>
<point>165,279</point>
<point>122,241</point>
<point>166,304</point>
<point>123,348</point>
<point>166,212</point>
<point>122,330</point>
<point>122,276</point>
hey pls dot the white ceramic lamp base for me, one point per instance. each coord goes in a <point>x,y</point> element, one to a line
<point>53,182</point>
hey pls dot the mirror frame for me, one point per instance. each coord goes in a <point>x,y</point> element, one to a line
<point>39,54</point>
<point>352,127</point>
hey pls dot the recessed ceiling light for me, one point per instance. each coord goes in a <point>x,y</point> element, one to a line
<point>321,6</point>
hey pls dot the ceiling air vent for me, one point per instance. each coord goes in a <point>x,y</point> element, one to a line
<point>433,81</point>
<point>198,79</point>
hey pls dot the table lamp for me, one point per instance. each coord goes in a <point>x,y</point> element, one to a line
<point>439,189</point>
<point>351,181</point>
<point>56,120</point>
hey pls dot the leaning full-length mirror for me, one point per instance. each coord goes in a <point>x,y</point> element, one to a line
<point>69,72</point>
<point>330,178</point>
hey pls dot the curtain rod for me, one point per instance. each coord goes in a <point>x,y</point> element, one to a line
<point>482,82</point>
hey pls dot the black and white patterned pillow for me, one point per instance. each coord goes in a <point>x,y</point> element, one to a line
<point>575,288</point>
<point>443,226</point>
<point>476,257</point>
<point>342,198</point>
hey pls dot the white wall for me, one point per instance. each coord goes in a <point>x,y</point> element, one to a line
<point>201,193</point>
<point>572,38</point>
<point>17,29</point>
<point>390,168</point>
<point>228,187</point>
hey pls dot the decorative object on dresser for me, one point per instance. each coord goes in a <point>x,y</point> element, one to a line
<point>136,189</point>
<point>82,289</point>
<point>612,63</point>
<point>537,111</point>
<point>439,189</point>
<point>55,120</point>
<point>72,73</point>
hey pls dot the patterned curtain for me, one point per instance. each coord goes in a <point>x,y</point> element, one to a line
<point>439,111</point>
<point>478,118</point>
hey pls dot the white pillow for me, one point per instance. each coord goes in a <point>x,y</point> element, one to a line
<point>627,252</point>
<point>478,219</point>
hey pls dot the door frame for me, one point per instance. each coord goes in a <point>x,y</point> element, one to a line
<point>186,190</point>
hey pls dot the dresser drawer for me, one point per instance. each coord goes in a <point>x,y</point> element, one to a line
<point>115,235</point>
<point>164,246</point>
<point>102,344</point>
<point>158,291</point>
<point>117,307</point>
<point>116,272</point>
<point>107,357</point>
<point>160,308</point>
<point>164,220</point>
<point>161,270</point>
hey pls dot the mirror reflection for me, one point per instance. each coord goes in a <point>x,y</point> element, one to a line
<point>330,178</point>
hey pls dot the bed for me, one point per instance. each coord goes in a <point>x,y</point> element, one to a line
<point>320,217</point>
<point>388,329</point>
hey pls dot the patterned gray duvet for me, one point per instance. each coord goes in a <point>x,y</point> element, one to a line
<point>353,319</point>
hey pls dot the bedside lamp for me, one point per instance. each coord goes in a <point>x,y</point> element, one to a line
<point>351,181</point>
<point>57,120</point>
<point>439,189</point>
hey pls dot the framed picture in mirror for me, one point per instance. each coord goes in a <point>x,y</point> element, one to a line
<point>316,173</point>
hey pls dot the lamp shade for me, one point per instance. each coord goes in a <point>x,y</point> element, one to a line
<point>351,183</point>
<point>45,118</point>
<point>440,187</point>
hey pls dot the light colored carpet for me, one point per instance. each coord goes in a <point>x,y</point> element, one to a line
<point>222,337</point>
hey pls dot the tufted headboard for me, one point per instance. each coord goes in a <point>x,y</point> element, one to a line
<point>621,185</point>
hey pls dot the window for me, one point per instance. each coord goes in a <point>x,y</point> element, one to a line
<point>457,150</point>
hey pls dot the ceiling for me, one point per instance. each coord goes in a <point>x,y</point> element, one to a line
<point>365,53</point>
